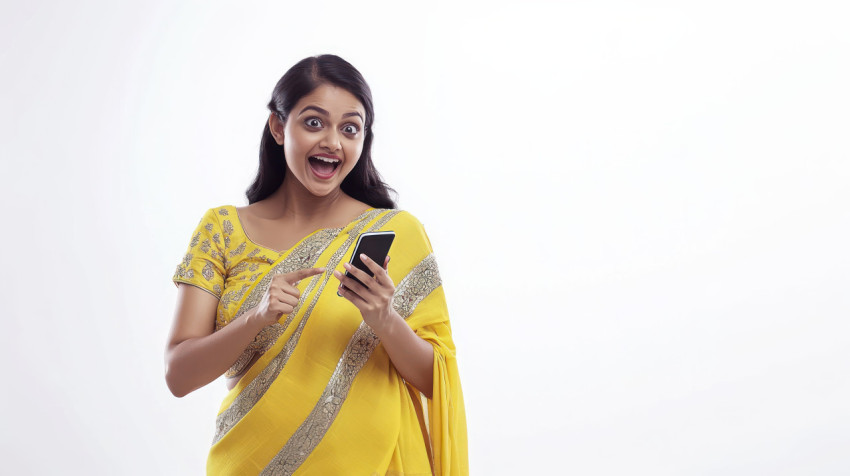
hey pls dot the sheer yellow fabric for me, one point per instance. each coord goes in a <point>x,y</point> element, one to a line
<point>323,398</point>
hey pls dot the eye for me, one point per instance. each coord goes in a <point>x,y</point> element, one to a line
<point>350,129</point>
<point>313,122</point>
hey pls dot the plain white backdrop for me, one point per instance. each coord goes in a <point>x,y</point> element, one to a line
<point>640,210</point>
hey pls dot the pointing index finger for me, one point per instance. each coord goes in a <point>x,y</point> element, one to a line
<point>296,276</point>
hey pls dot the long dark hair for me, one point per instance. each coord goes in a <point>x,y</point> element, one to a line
<point>363,182</point>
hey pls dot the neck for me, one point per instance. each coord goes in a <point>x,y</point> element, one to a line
<point>294,201</point>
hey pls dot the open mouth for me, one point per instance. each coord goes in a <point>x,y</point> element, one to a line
<point>324,167</point>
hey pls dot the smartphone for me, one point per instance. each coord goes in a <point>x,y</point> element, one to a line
<point>375,245</point>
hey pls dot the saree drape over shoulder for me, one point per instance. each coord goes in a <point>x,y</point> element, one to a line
<point>323,397</point>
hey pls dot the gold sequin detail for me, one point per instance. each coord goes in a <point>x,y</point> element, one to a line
<point>205,246</point>
<point>181,271</point>
<point>208,272</point>
<point>263,342</point>
<point>222,211</point>
<point>227,227</point>
<point>238,268</point>
<point>418,284</point>
<point>195,240</point>
<point>208,227</point>
<point>239,249</point>
<point>299,259</point>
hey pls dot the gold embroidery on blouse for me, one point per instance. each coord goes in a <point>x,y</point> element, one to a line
<point>239,249</point>
<point>217,290</point>
<point>208,227</point>
<point>183,273</point>
<point>217,238</point>
<point>205,246</point>
<point>238,268</point>
<point>300,258</point>
<point>227,227</point>
<point>252,254</point>
<point>208,271</point>
<point>222,211</point>
<point>418,284</point>
<point>195,240</point>
<point>187,260</point>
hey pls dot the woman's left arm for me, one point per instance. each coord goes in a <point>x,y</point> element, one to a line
<point>412,356</point>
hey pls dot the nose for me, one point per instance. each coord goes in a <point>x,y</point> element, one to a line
<point>331,140</point>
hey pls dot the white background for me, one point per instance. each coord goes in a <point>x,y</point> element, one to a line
<point>640,210</point>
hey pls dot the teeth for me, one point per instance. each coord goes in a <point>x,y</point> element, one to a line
<point>325,159</point>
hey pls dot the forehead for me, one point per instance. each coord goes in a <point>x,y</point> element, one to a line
<point>335,100</point>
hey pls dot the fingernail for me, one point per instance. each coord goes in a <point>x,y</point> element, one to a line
<point>337,274</point>
<point>346,265</point>
<point>363,256</point>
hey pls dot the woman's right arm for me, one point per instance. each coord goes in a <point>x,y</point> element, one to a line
<point>196,355</point>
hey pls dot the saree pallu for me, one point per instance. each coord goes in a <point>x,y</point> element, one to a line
<point>324,398</point>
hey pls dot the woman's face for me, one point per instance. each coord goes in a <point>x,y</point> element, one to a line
<point>322,138</point>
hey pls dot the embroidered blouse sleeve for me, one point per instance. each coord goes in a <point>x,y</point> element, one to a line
<point>203,264</point>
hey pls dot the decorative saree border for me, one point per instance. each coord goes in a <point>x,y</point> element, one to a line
<point>418,284</point>
<point>251,394</point>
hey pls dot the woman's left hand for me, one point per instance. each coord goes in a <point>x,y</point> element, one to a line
<point>374,298</point>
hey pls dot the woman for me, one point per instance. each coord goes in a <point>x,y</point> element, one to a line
<point>325,376</point>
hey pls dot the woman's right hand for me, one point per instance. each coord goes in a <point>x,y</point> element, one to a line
<point>282,296</point>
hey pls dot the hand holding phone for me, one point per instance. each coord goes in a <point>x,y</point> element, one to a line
<point>375,245</point>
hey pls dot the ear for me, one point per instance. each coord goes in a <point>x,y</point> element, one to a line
<point>276,127</point>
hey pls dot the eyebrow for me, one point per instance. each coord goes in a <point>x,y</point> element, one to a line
<point>322,111</point>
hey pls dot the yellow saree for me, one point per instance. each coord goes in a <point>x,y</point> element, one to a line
<point>323,398</point>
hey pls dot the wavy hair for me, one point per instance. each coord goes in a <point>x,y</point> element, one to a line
<point>363,182</point>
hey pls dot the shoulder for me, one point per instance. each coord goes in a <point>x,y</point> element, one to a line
<point>222,212</point>
<point>409,228</point>
<point>399,218</point>
<point>215,216</point>
<point>216,225</point>
<point>406,218</point>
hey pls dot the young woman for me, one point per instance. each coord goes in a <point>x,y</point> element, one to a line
<point>325,376</point>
